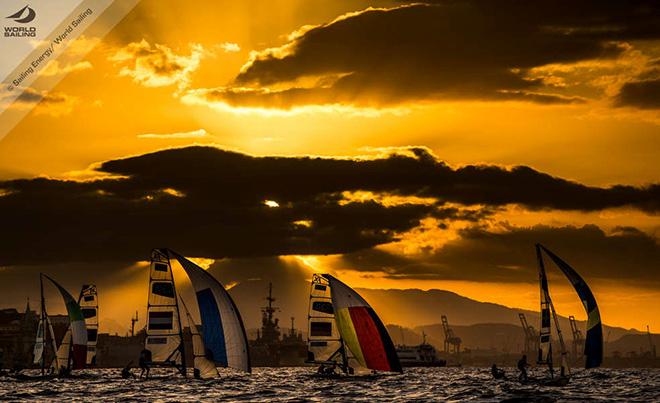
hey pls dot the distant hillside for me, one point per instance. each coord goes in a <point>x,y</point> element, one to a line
<point>412,308</point>
<point>507,338</point>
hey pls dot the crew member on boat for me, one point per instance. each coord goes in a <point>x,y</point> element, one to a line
<point>145,362</point>
<point>522,367</point>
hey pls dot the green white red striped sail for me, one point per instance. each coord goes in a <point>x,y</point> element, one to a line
<point>362,331</point>
<point>89,305</point>
<point>77,324</point>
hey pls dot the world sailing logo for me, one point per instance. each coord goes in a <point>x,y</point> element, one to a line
<point>22,16</point>
<point>18,16</point>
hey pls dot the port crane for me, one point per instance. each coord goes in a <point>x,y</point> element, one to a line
<point>531,336</point>
<point>452,342</point>
<point>651,345</point>
<point>578,339</point>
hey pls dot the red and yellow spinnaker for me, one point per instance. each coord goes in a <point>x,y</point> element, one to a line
<point>362,331</point>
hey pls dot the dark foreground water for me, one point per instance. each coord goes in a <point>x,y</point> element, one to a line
<point>296,384</point>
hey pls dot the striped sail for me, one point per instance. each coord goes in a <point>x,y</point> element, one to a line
<point>164,334</point>
<point>222,327</point>
<point>361,329</point>
<point>206,367</point>
<point>593,348</point>
<point>323,339</point>
<point>90,308</point>
<point>77,325</point>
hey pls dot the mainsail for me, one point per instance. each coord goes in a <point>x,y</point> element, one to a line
<point>223,332</point>
<point>324,343</point>
<point>594,341</point>
<point>361,330</point>
<point>90,309</point>
<point>164,333</point>
<point>77,325</point>
<point>206,367</point>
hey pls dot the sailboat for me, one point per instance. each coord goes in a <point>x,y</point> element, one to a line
<point>594,341</point>
<point>75,340</point>
<point>223,340</point>
<point>344,331</point>
<point>88,301</point>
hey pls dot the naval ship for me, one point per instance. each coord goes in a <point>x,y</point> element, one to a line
<point>273,348</point>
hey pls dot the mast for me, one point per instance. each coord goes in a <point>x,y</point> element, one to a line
<point>43,324</point>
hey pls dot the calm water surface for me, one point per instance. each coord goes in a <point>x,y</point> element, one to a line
<point>296,385</point>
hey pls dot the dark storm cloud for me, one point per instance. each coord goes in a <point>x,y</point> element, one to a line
<point>626,255</point>
<point>472,49</point>
<point>30,96</point>
<point>640,94</point>
<point>207,202</point>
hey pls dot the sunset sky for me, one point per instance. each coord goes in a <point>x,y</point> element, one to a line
<point>395,144</point>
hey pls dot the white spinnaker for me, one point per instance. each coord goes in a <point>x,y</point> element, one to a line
<point>89,305</point>
<point>223,331</point>
<point>206,367</point>
<point>323,339</point>
<point>163,323</point>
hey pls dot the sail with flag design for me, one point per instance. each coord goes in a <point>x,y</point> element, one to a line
<point>593,350</point>
<point>361,330</point>
<point>89,307</point>
<point>77,325</point>
<point>223,332</point>
<point>164,332</point>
